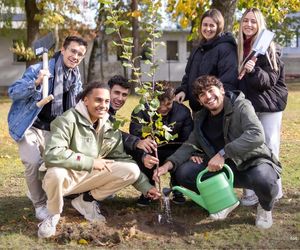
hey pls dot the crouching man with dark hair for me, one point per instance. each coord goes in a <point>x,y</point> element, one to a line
<point>85,155</point>
<point>228,131</point>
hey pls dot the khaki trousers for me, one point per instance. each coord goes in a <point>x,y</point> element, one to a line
<point>31,149</point>
<point>59,182</point>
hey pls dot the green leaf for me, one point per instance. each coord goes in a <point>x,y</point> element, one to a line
<point>138,108</point>
<point>109,31</point>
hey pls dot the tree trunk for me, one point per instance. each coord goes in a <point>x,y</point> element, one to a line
<point>92,69</point>
<point>227,8</point>
<point>32,25</point>
<point>136,40</point>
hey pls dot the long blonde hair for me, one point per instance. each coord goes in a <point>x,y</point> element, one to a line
<point>261,24</point>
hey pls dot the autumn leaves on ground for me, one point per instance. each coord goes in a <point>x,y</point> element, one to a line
<point>129,226</point>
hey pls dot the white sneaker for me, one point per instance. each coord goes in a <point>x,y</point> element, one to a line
<point>41,213</point>
<point>263,218</point>
<point>249,198</point>
<point>47,227</point>
<point>223,214</point>
<point>90,210</point>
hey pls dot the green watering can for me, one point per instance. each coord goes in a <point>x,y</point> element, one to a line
<point>216,192</point>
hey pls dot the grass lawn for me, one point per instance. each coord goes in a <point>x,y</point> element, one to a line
<point>129,226</point>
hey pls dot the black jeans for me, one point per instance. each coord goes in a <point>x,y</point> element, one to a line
<point>262,179</point>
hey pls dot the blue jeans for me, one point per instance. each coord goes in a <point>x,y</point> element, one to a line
<point>262,179</point>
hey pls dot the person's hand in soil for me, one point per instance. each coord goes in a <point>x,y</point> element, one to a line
<point>162,170</point>
<point>153,193</point>
<point>150,161</point>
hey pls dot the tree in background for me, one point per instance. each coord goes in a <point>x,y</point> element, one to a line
<point>43,16</point>
<point>188,12</point>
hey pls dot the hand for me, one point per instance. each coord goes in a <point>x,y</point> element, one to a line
<point>249,66</point>
<point>101,164</point>
<point>162,170</point>
<point>196,159</point>
<point>180,97</point>
<point>216,163</point>
<point>153,193</point>
<point>42,73</point>
<point>150,161</point>
<point>148,145</point>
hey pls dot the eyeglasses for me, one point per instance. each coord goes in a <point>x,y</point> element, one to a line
<point>76,52</point>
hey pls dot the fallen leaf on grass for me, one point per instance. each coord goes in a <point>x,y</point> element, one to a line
<point>82,242</point>
<point>5,156</point>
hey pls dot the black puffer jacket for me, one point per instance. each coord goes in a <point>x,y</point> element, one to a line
<point>216,57</point>
<point>264,87</point>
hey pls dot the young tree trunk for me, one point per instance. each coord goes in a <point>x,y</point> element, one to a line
<point>227,8</point>
<point>32,25</point>
<point>136,40</point>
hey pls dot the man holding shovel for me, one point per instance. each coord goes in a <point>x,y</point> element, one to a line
<point>228,131</point>
<point>29,121</point>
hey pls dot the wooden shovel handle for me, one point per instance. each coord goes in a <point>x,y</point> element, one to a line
<point>45,86</point>
<point>243,71</point>
<point>44,101</point>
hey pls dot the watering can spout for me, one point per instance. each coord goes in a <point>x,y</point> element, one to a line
<point>191,194</point>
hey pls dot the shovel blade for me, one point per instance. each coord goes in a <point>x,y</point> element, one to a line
<point>263,42</point>
<point>44,44</point>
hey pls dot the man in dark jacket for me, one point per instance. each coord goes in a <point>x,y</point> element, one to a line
<point>228,131</point>
<point>178,118</point>
<point>119,92</point>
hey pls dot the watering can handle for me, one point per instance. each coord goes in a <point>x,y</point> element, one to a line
<point>206,170</point>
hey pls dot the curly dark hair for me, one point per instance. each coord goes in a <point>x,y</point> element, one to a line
<point>167,89</point>
<point>202,83</point>
<point>119,80</point>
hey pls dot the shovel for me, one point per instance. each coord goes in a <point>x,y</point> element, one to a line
<point>41,47</point>
<point>260,47</point>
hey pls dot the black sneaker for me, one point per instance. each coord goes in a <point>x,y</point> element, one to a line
<point>143,201</point>
<point>178,198</point>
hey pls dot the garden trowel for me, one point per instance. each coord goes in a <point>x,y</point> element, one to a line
<point>41,47</point>
<point>260,47</point>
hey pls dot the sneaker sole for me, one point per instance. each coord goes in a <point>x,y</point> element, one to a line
<point>82,212</point>
<point>45,236</point>
<point>178,203</point>
<point>247,203</point>
<point>229,211</point>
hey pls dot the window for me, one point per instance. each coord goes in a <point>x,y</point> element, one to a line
<point>189,47</point>
<point>172,50</point>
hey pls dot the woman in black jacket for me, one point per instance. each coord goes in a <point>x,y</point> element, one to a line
<point>215,55</point>
<point>263,84</point>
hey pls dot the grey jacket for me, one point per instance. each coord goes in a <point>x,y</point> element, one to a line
<point>243,135</point>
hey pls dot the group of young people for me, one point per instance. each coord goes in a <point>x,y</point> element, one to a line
<point>69,146</point>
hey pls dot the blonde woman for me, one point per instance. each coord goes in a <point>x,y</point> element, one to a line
<point>215,55</point>
<point>263,84</point>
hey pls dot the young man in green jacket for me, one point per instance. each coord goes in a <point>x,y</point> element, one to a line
<point>228,131</point>
<point>86,155</point>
